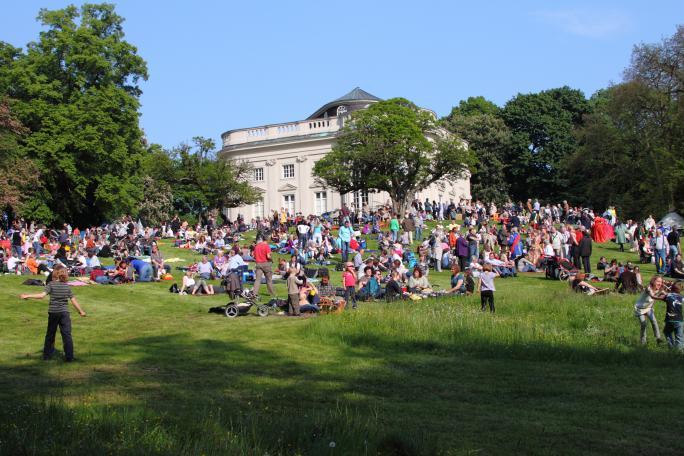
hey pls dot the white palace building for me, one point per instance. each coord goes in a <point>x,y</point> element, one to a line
<point>283,156</point>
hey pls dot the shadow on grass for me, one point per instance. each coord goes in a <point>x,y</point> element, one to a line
<point>369,394</point>
<point>175,395</point>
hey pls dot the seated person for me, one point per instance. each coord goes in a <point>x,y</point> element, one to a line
<point>219,260</point>
<point>580,285</point>
<point>393,291</point>
<point>34,265</point>
<point>475,267</point>
<point>308,297</point>
<point>190,284</point>
<point>627,281</point>
<point>235,262</point>
<point>399,267</point>
<point>458,286</point>
<point>611,271</point>
<point>369,285</point>
<point>282,267</point>
<point>525,265</point>
<point>92,261</point>
<point>677,269</point>
<point>417,282</point>
<point>121,273</point>
<point>204,269</point>
<point>602,264</point>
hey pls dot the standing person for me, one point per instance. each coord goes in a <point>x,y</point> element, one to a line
<point>349,284</point>
<point>293,283</point>
<point>585,247</point>
<point>660,248</point>
<point>419,227</point>
<point>262,258</point>
<point>486,287</point>
<point>674,323</point>
<point>408,225</point>
<point>58,313</point>
<point>621,235</point>
<point>515,244</point>
<point>673,241</point>
<point>394,228</point>
<point>643,308</point>
<point>345,235</point>
<point>575,238</point>
<point>302,233</point>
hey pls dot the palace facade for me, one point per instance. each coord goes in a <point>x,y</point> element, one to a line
<point>283,156</point>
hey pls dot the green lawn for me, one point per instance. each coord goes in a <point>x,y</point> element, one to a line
<point>552,372</point>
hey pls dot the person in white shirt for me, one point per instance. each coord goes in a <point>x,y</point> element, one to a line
<point>235,261</point>
<point>37,245</point>
<point>92,261</point>
<point>14,264</point>
<point>549,251</point>
<point>303,233</point>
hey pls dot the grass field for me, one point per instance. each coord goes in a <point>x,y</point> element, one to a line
<point>551,373</point>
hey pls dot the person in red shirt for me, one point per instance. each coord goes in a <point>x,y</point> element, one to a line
<point>349,282</point>
<point>262,258</point>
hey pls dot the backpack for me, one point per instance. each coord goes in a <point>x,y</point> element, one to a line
<point>433,240</point>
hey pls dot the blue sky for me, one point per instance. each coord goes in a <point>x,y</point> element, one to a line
<point>216,66</point>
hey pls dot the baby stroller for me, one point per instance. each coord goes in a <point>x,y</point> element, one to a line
<point>559,268</point>
<point>241,304</point>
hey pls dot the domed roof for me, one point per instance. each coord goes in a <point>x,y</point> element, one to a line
<point>357,98</point>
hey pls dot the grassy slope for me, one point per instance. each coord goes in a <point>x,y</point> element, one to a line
<point>550,372</point>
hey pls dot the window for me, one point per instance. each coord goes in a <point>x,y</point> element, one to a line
<point>289,203</point>
<point>288,171</point>
<point>321,203</point>
<point>258,174</point>
<point>258,208</point>
<point>360,198</point>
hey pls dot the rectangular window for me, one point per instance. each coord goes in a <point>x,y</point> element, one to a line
<point>288,171</point>
<point>321,203</point>
<point>289,203</point>
<point>258,174</point>
<point>259,209</point>
<point>360,198</point>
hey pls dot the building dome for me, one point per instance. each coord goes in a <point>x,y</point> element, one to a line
<point>356,99</point>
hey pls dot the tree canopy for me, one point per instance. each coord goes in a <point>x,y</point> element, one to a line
<point>76,91</point>
<point>489,139</point>
<point>396,147</point>
<point>198,179</point>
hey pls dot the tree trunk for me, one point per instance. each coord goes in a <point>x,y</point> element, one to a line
<point>399,206</point>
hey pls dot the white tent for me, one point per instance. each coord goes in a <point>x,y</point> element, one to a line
<point>673,219</point>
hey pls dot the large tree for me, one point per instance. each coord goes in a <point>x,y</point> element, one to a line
<point>543,126</point>
<point>19,176</point>
<point>200,180</point>
<point>395,147</point>
<point>476,120</point>
<point>632,146</point>
<point>76,90</point>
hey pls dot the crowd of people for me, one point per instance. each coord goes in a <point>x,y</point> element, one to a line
<point>478,243</point>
